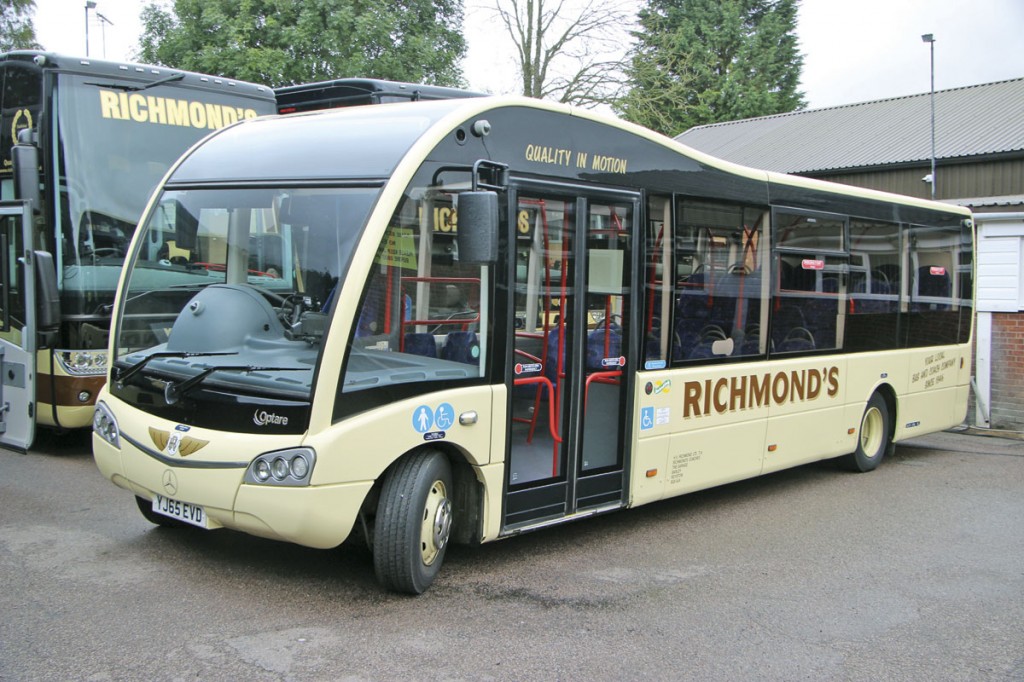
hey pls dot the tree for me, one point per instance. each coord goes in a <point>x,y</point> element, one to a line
<point>705,61</point>
<point>284,42</point>
<point>16,29</point>
<point>569,54</point>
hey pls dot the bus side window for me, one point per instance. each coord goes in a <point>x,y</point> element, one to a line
<point>659,341</point>
<point>811,290</point>
<point>874,288</point>
<point>719,291</point>
<point>934,315</point>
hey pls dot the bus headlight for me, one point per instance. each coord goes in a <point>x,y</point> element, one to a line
<point>82,362</point>
<point>292,467</point>
<point>261,470</point>
<point>105,426</point>
<point>299,467</point>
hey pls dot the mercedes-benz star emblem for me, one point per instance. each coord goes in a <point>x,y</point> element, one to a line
<point>170,481</point>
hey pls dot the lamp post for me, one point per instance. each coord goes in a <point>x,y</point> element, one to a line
<point>89,4</point>
<point>103,31</point>
<point>930,39</point>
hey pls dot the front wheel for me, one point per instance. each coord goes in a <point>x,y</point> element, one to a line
<point>874,436</point>
<point>414,522</point>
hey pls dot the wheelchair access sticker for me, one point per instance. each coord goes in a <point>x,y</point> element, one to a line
<point>433,422</point>
<point>646,418</point>
<point>651,417</point>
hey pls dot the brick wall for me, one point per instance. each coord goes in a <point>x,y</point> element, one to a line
<point>1007,382</point>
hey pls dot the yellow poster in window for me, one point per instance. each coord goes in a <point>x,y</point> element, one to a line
<point>399,251</point>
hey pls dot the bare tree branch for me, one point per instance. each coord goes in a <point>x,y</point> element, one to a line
<point>571,51</point>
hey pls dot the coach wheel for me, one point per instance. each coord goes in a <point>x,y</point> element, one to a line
<point>414,522</point>
<point>873,437</point>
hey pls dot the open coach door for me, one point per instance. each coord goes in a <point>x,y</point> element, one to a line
<point>575,314</point>
<point>17,328</point>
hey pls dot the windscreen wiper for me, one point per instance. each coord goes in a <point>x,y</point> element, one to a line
<point>173,392</point>
<point>120,376</point>
<point>137,88</point>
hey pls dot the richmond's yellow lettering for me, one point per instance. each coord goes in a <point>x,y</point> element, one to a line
<point>108,104</point>
<point>157,110</point>
<point>137,107</point>
<point>123,106</point>
<point>177,112</point>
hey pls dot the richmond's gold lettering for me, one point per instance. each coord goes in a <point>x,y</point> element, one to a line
<point>738,393</point>
<point>759,390</point>
<point>780,388</point>
<point>123,106</point>
<point>813,383</point>
<point>720,404</point>
<point>691,399</point>
<point>796,383</point>
<point>833,382</point>
<point>711,396</point>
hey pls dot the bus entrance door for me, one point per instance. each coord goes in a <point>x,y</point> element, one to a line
<point>17,329</point>
<point>570,374</point>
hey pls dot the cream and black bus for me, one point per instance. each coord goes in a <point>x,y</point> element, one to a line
<point>84,142</point>
<point>461,320</point>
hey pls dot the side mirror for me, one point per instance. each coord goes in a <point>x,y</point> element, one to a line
<point>25,158</point>
<point>477,234</point>
<point>47,293</point>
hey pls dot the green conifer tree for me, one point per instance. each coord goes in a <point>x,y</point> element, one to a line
<point>705,61</point>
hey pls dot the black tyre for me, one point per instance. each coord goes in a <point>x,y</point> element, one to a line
<point>874,436</point>
<point>414,522</point>
<point>146,507</point>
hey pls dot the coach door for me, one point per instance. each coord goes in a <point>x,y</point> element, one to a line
<point>573,295</point>
<point>17,330</point>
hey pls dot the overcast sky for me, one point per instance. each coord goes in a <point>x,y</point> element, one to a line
<point>854,50</point>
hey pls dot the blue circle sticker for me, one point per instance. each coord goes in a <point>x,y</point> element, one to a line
<point>422,419</point>
<point>444,416</point>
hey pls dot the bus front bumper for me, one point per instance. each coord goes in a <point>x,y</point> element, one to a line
<point>313,516</point>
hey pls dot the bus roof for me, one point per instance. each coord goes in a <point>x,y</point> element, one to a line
<point>345,92</point>
<point>535,137</point>
<point>341,143</point>
<point>136,72</point>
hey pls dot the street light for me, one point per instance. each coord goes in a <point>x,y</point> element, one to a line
<point>930,39</point>
<point>103,31</point>
<point>89,4</point>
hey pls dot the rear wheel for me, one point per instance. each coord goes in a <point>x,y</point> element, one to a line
<point>414,522</point>
<point>874,436</point>
<point>146,507</point>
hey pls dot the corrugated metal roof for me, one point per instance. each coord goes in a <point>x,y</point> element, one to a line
<point>989,202</point>
<point>969,121</point>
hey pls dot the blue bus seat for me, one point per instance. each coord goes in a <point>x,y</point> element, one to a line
<point>421,343</point>
<point>461,347</point>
